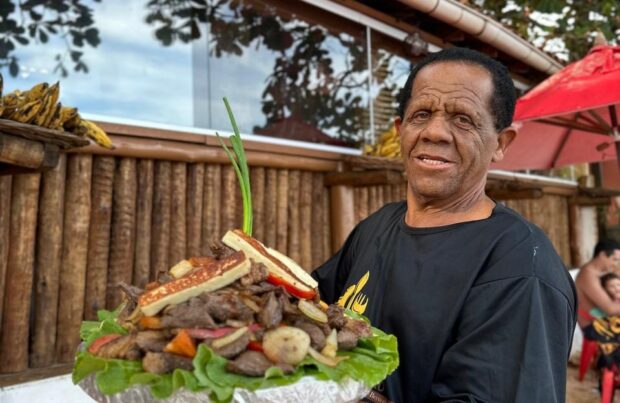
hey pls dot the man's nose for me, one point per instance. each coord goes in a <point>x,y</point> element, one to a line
<point>437,130</point>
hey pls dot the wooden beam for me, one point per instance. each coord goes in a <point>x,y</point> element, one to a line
<point>364,178</point>
<point>26,153</point>
<point>590,201</point>
<point>34,374</point>
<point>514,194</point>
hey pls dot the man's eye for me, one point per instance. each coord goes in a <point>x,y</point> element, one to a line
<point>421,116</point>
<point>464,121</point>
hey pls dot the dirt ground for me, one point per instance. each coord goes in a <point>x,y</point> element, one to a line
<point>586,391</point>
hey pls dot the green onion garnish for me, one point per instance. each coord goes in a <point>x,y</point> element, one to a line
<point>240,164</point>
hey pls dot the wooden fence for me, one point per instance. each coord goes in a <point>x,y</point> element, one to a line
<point>69,235</point>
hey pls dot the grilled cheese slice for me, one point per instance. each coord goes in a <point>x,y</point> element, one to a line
<point>209,278</point>
<point>277,263</point>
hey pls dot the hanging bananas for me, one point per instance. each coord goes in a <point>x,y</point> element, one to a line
<point>39,106</point>
<point>388,145</point>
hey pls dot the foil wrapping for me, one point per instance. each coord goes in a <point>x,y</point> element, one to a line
<point>307,389</point>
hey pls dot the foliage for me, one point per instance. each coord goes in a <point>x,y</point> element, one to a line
<point>38,21</point>
<point>566,28</point>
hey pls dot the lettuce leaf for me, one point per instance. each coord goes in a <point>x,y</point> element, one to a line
<point>370,362</point>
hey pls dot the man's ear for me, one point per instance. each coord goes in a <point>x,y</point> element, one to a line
<point>504,138</point>
<point>397,122</point>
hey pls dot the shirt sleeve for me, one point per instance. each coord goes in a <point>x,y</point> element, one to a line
<point>332,275</point>
<point>511,344</point>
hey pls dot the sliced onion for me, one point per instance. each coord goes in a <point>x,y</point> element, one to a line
<point>329,361</point>
<point>222,341</point>
<point>312,311</point>
<point>199,333</point>
<point>251,304</point>
<point>331,344</point>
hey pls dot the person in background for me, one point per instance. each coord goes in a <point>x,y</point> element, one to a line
<point>590,292</point>
<point>481,304</point>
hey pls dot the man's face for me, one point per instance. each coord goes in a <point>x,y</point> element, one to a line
<point>448,138</point>
<point>612,261</point>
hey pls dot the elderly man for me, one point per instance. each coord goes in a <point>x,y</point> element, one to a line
<point>483,308</point>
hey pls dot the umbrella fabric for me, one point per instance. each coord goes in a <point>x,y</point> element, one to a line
<point>569,117</point>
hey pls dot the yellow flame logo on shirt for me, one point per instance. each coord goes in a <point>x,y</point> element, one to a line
<point>353,298</point>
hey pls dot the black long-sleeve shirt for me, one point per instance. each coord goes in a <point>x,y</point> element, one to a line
<point>484,311</point>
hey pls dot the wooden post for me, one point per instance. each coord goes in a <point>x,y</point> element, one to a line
<point>228,202</point>
<point>47,266</point>
<point>212,199</point>
<point>342,215</point>
<point>271,212</point>
<point>318,220</point>
<point>363,203</point>
<point>282,211</point>
<point>195,190</point>
<point>574,222</point>
<point>5,226</point>
<point>19,274</point>
<point>25,153</point>
<point>99,235</point>
<point>293,215</point>
<point>144,214</point>
<point>305,218</point>
<point>122,239</point>
<point>160,236</point>
<point>257,179</point>
<point>178,214</point>
<point>328,251</point>
<point>74,255</point>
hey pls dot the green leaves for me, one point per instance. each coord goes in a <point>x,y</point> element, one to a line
<point>240,164</point>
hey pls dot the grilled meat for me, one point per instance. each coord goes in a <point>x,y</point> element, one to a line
<point>220,250</point>
<point>271,314</point>
<point>226,304</point>
<point>317,337</point>
<point>347,339</point>
<point>192,313</point>
<point>335,316</point>
<point>124,347</point>
<point>151,340</point>
<point>258,273</point>
<point>234,348</point>
<point>161,363</point>
<point>250,363</point>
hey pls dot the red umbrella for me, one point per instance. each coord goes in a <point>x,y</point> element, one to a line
<point>571,117</point>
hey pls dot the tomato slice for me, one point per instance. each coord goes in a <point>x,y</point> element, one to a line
<point>96,345</point>
<point>291,289</point>
<point>255,346</point>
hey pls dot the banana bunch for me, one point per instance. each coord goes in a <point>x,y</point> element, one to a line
<point>39,106</point>
<point>388,145</point>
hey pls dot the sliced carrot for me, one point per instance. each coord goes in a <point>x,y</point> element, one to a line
<point>151,322</point>
<point>182,344</point>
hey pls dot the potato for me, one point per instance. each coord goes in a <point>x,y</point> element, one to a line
<point>286,345</point>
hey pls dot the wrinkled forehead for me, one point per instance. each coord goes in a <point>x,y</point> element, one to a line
<point>454,81</point>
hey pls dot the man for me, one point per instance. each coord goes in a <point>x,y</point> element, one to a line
<point>482,306</point>
<point>590,292</point>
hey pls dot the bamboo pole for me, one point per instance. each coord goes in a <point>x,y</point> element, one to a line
<point>160,224</point>
<point>178,224</point>
<point>47,265</point>
<point>317,225</point>
<point>212,218</point>
<point>293,251</point>
<point>327,227</point>
<point>257,180</point>
<point>282,211</point>
<point>357,191</point>
<point>144,213</point>
<point>372,199</point>
<point>99,235</point>
<point>74,256</point>
<point>195,190</point>
<point>342,217</point>
<point>305,218</point>
<point>380,200</point>
<point>271,197</point>
<point>387,194</point>
<point>5,225</point>
<point>122,239</point>
<point>228,202</point>
<point>396,192</point>
<point>19,273</point>
<point>363,213</point>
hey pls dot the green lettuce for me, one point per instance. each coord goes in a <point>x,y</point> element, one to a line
<point>370,362</point>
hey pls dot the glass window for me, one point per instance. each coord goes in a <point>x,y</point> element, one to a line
<point>289,70</point>
<point>104,54</point>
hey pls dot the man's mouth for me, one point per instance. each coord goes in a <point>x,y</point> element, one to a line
<point>433,160</point>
